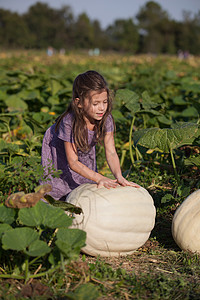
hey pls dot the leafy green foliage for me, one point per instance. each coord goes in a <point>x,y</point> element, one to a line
<point>165,139</point>
<point>64,205</point>
<point>7,215</point>
<point>22,174</point>
<point>44,215</point>
<point>70,241</point>
<point>87,291</point>
<point>20,239</point>
<point>32,232</point>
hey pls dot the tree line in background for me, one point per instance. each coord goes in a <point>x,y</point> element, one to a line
<point>151,31</point>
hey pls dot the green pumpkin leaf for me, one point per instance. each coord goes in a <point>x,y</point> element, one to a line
<point>195,88</point>
<point>53,100</point>
<point>44,214</point>
<point>118,116</point>
<point>170,74</point>
<point>7,215</point>
<point>27,95</point>
<point>190,112</point>
<point>19,238</point>
<point>55,87</point>
<point>14,102</point>
<point>163,120</point>
<point>192,161</point>
<point>178,100</point>
<point>146,101</point>
<point>6,119</point>
<point>4,228</point>
<point>167,138</point>
<point>3,95</point>
<point>167,198</point>
<point>129,98</point>
<point>2,145</point>
<point>42,117</point>
<point>149,111</point>
<point>12,148</point>
<point>17,160</point>
<point>70,240</point>
<point>64,205</point>
<point>38,248</point>
<point>86,291</point>
<point>34,83</point>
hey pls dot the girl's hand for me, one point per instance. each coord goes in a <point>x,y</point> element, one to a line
<point>122,181</point>
<point>107,183</point>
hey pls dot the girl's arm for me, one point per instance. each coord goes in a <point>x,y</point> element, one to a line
<point>83,170</point>
<point>113,160</point>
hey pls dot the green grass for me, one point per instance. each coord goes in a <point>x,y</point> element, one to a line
<point>157,270</point>
<point>152,272</point>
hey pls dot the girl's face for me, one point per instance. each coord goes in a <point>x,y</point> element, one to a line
<point>95,106</point>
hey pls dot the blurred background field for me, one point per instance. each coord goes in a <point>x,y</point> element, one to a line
<point>135,27</point>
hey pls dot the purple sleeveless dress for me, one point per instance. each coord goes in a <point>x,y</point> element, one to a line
<point>53,153</point>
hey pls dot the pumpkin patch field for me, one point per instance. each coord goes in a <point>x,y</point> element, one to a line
<point>156,109</point>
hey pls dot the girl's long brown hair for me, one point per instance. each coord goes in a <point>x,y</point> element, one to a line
<point>83,84</point>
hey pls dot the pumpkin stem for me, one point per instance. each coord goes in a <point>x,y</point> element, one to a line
<point>174,165</point>
<point>122,158</point>
<point>130,140</point>
<point>26,269</point>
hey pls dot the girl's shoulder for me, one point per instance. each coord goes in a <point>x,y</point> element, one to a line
<point>109,118</point>
<point>68,118</point>
<point>65,129</point>
<point>109,123</point>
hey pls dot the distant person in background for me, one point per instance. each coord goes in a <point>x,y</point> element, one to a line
<point>186,54</point>
<point>180,54</point>
<point>50,51</point>
<point>183,54</point>
<point>69,144</point>
<point>62,51</point>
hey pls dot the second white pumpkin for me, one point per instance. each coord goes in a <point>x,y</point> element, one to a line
<point>186,223</point>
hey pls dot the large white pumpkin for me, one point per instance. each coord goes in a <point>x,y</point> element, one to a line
<point>117,221</point>
<point>186,223</point>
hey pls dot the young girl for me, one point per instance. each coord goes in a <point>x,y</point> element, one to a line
<point>69,144</point>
